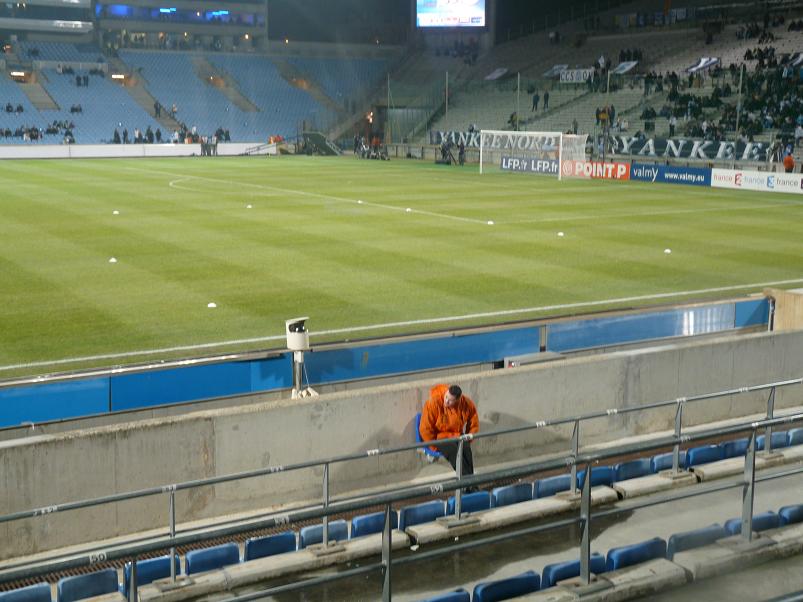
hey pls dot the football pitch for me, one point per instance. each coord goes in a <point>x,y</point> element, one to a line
<point>365,248</point>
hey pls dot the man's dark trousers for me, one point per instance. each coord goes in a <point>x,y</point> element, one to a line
<point>449,450</point>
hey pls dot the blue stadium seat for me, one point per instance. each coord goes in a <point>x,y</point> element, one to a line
<point>688,540</point>
<point>664,461</point>
<point>338,531</point>
<point>471,502</point>
<point>791,514</point>
<point>87,586</point>
<point>511,494</point>
<point>624,556</point>
<point>631,470</point>
<point>734,449</point>
<point>420,513</point>
<point>794,437</point>
<point>459,595</point>
<point>367,524</point>
<point>703,455</point>
<point>210,559</point>
<point>418,439</point>
<point>33,593</point>
<point>149,570</point>
<point>260,547</point>
<point>560,571</point>
<point>505,589</point>
<point>761,522</point>
<point>778,441</point>
<point>552,485</point>
<point>600,475</point>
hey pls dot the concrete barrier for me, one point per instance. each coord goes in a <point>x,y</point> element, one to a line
<point>47,470</point>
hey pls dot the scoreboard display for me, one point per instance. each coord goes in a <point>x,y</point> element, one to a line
<point>450,13</point>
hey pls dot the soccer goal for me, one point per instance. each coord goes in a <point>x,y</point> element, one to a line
<point>530,152</point>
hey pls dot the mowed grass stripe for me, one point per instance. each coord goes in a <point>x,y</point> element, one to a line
<point>306,247</point>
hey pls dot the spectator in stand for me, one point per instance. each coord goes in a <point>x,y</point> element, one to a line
<point>789,163</point>
<point>546,100</point>
<point>536,98</point>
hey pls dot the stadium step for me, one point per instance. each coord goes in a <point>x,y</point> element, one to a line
<point>137,90</point>
<point>36,93</point>
<point>218,78</point>
<point>296,78</point>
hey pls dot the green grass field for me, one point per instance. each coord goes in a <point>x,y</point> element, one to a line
<point>185,238</point>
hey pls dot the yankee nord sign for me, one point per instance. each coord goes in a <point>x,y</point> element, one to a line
<point>683,148</point>
<point>498,141</point>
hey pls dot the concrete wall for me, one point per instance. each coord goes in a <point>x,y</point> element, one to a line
<point>51,469</point>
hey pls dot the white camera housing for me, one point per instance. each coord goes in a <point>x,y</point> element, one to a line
<point>297,334</point>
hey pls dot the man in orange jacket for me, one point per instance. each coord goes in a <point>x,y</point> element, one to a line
<point>448,413</point>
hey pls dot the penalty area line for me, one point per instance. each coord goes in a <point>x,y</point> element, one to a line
<point>422,322</point>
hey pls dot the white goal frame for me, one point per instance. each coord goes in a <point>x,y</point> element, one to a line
<point>507,142</point>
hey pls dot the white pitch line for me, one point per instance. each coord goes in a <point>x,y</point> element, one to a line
<point>313,195</point>
<point>352,329</point>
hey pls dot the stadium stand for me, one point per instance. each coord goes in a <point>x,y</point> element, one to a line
<point>560,571</point>
<point>33,593</point>
<point>471,502</point>
<point>62,52</point>
<point>309,536</point>
<point>777,440</point>
<point>150,570</point>
<point>761,522</point>
<point>270,545</point>
<point>689,540</point>
<point>600,475</point>
<point>624,556</point>
<point>791,514</point>
<point>703,455</point>
<point>342,79</point>
<point>79,587</point>
<point>459,595</point>
<point>631,469</point>
<point>368,524</point>
<point>209,559</point>
<point>420,513</point>
<point>511,494</point>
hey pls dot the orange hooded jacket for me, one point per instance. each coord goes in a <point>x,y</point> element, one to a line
<point>439,422</point>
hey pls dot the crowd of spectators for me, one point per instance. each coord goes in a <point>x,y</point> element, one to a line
<point>468,51</point>
<point>10,108</point>
<point>31,133</point>
<point>630,54</point>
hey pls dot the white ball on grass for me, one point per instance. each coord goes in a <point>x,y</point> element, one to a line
<point>248,207</point>
<point>212,305</point>
<point>490,222</point>
<point>667,251</point>
<point>113,260</point>
<point>115,212</point>
<point>408,210</point>
<point>560,234</point>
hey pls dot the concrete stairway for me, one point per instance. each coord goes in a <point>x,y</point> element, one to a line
<point>298,79</point>
<point>36,93</point>
<point>135,86</point>
<point>224,83</point>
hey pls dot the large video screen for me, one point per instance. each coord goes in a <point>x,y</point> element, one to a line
<point>450,13</point>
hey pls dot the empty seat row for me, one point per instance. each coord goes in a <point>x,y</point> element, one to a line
<point>618,558</point>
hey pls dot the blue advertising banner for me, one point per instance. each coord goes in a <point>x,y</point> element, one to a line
<point>670,174</point>
<point>529,165</point>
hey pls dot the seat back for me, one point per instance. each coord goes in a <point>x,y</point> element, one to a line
<point>504,589</point>
<point>471,502</point>
<point>791,514</point>
<point>149,571</point>
<point>561,571</point>
<point>338,531</point>
<point>630,470</point>
<point>794,437</point>
<point>511,494</point>
<point>420,513</point>
<point>260,547</point>
<point>33,593</point>
<point>734,449</point>
<point>661,462</point>
<point>210,559</point>
<point>367,524</point>
<point>761,522</point>
<point>87,586</point>
<point>552,485</point>
<point>703,455</point>
<point>777,441</point>
<point>688,540</point>
<point>621,557</point>
<point>600,475</point>
<point>418,439</point>
<point>458,595</point>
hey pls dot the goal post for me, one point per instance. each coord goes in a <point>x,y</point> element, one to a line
<point>530,152</point>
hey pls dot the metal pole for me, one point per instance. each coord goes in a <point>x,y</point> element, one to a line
<point>132,583</point>
<point>585,534</point>
<point>518,99</point>
<point>770,415</point>
<point>748,489</point>
<point>325,504</point>
<point>738,114</point>
<point>387,116</point>
<point>447,95</point>
<point>387,534</point>
<point>172,512</point>
<point>575,450</point>
<point>678,428</point>
<point>458,494</point>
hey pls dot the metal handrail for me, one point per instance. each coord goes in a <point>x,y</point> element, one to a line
<point>126,551</point>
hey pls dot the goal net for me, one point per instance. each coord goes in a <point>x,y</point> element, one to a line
<point>530,152</point>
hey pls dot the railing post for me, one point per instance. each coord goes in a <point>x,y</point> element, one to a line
<point>748,489</point>
<point>770,415</point>
<point>678,431</point>
<point>585,533</point>
<point>575,451</point>
<point>325,504</point>
<point>172,533</point>
<point>387,534</point>
<point>458,494</point>
<point>132,582</point>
